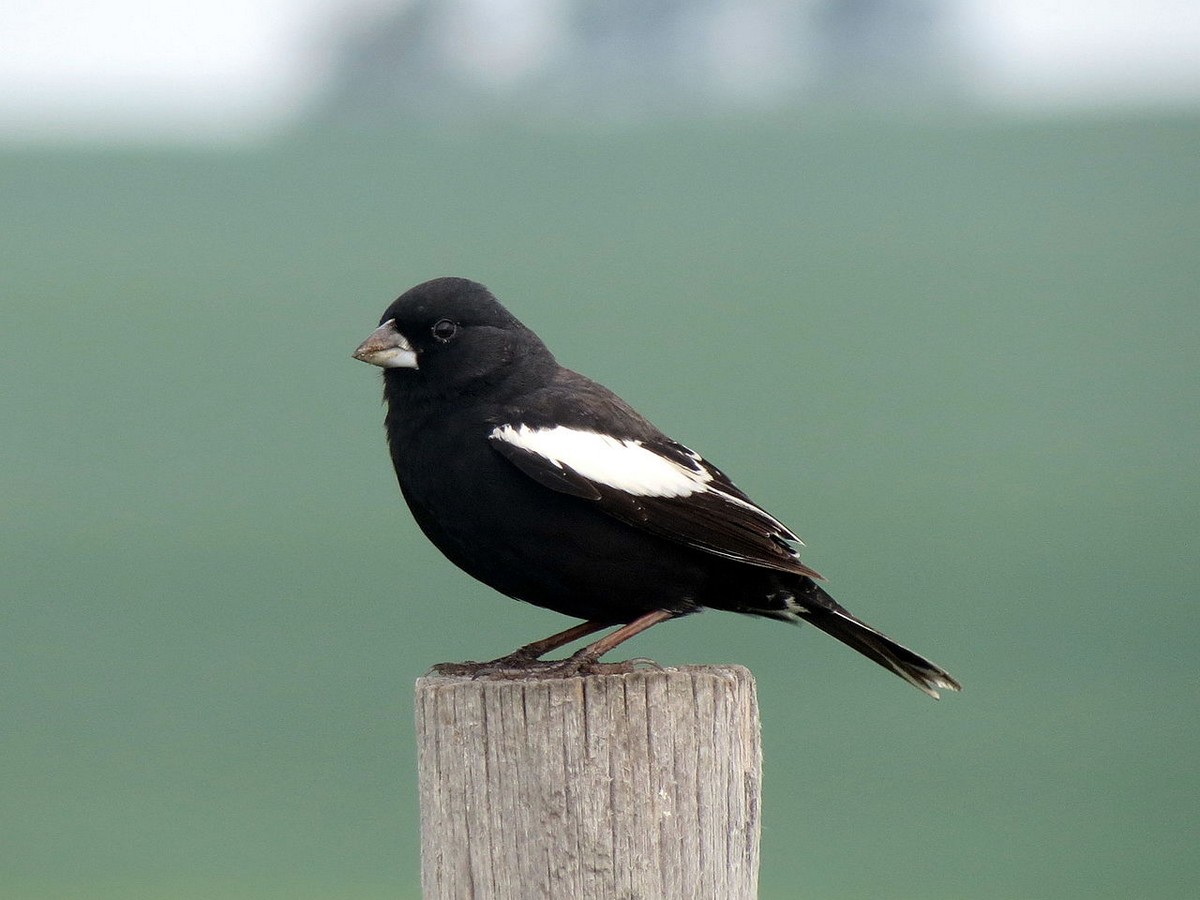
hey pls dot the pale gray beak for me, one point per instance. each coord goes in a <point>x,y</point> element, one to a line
<point>387,348</point>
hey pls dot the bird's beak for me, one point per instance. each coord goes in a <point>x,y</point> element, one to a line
<point>387,348</point>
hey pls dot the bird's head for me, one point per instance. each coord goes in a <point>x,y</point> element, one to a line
<point>445,334</point>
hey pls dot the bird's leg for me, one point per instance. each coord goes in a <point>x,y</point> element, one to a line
<point>598,648</point>
<point>535,651</point>
<point>587,659</point>
<point>526,657</point>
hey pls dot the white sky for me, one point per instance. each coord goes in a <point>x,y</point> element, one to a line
<point>1088,52</point>
<point>92,66</point>
<point>229,67</point>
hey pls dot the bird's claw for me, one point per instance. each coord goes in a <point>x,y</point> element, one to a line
<point>644,662</point>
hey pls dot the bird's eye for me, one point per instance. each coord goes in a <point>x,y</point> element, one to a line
<point>444,330</point>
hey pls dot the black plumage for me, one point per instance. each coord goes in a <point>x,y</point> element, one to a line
<point>551,489</point>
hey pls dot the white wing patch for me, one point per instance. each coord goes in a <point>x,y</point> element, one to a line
<point>625,465</point>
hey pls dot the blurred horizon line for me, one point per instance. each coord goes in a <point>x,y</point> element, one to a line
<point>280,68</point>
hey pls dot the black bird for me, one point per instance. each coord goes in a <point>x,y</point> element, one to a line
<point>551,489</point>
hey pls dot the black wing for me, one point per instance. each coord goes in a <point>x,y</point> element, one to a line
<point>715,516</point>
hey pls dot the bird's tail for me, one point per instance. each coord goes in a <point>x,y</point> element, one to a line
<point>818,608</point>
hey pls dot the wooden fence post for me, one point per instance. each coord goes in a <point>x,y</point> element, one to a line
<point>636,786</point>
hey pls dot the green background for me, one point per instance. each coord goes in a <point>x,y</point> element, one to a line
<point>959,359</point>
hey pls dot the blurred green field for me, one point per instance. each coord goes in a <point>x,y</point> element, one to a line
<point>959,359</point>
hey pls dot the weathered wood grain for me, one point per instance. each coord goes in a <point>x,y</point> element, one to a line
<point>636,786</point>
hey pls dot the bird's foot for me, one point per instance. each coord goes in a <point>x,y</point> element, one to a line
<point>526,660</point>
<point>517,665</point>
<point>511,666</point>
